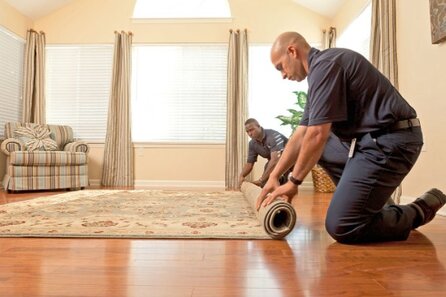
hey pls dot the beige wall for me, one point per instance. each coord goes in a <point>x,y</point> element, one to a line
<point>13,20</point>
<point>94,21</point>
<point>422,82</point>
<point>169,164</point>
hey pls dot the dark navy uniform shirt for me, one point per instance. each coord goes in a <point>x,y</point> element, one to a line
<point>272,141</point>
<point>348,91</point>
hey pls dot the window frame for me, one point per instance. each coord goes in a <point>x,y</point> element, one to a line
<point>104,84</point>
<point>12,77</point>
<point>178,141</point>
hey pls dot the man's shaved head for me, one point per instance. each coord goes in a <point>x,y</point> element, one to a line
<point>286,39</point>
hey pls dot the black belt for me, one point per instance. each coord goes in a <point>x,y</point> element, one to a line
<point>400,125</point>
<point>404,124</point>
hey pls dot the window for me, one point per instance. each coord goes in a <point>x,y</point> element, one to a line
<point>269,94</point>
<point>180,9</point>
<point>12,51</point>
<point>78,82</point>
<point>357,35</point>
<point>179,93</point>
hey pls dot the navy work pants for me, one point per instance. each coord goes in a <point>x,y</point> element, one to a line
<point>364,183</point>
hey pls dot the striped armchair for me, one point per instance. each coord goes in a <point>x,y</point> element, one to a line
<point>43,157</point>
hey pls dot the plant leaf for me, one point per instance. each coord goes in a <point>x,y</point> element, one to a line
<point>301,99</point>
<point>295,118</point>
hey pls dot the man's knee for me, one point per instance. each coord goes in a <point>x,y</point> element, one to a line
<point>340,229</point>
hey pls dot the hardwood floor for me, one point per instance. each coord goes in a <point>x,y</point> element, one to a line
<point>307,263</point>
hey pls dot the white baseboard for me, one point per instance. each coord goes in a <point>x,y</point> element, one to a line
<point>173,184</point>
<point>180,184</point>
<point>409,199</point>
<point>188,184</point>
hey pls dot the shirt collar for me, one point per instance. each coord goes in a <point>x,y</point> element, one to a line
<point>312,56</point>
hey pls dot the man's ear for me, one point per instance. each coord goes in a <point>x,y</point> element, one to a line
<point>292,50</point>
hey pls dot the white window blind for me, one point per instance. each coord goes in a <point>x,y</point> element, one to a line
<point>179,93</point>
<point>78,80</point>
<point>12,50</point>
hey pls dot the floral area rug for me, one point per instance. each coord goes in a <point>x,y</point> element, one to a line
<point>133,214</point>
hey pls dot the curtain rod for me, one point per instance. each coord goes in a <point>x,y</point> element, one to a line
<point>238,30</point>
<point>130,33</point>
<point>34,31</point>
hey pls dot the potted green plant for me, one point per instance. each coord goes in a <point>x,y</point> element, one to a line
<point>321,181</point>
<point>295,115</point>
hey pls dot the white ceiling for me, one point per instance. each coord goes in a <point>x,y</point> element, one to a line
<point>327,8</point>
<point>35,9</point>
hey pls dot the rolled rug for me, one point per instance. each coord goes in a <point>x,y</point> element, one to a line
<point>278,218</point>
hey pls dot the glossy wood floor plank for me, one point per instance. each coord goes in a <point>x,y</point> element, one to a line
<point>307,263</point>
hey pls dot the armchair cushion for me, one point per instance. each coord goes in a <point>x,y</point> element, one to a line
<point>36,137</point>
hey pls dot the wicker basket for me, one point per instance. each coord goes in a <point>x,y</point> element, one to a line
<point>321,181</point>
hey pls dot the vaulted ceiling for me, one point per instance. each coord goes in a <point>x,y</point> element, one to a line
<point>328,8</point>
<point>35,9</point>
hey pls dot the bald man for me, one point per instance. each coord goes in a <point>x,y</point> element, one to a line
<point>362,131</point>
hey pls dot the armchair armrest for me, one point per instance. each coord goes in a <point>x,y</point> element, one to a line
<point>77,146</point>
<point>10,145</point>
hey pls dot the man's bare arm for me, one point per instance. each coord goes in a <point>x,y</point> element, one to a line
<point>287,160</point>
<point>311,149</point>
<point>274,159</point>
<point>247,168</point>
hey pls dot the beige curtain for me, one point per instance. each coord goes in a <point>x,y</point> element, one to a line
<point>237,107</point>
<point>383,51</point>
<point>118,149</point>
<point>329,38</point>
<point>34,78</point>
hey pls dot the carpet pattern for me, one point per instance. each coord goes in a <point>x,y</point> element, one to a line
<point>133,214</point>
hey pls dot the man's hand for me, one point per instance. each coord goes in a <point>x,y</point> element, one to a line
<point>269,187</point>
<point>285,192</point>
